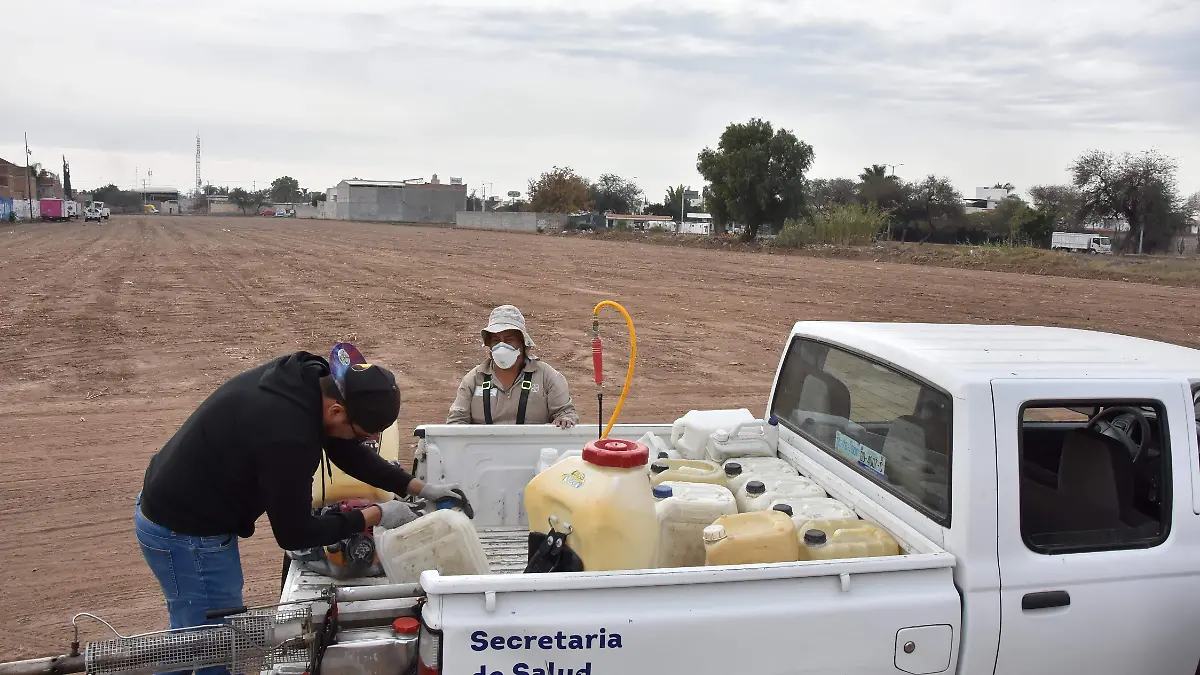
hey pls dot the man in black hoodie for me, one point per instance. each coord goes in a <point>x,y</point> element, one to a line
<point>252,447</point>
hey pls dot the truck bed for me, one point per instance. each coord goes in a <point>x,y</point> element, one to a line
<point>506,548</point>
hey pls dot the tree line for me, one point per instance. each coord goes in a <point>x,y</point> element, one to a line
<point>757,178</point>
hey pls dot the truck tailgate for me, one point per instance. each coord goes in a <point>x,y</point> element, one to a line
<point>843,617</point>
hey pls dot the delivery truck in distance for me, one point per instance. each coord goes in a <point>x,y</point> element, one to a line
<point>53,209</point>
<point>1082,242</point>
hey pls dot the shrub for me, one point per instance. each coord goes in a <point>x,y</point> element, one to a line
<point>841,225</point>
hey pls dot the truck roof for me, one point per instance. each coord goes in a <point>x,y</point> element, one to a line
<point>955,355</point>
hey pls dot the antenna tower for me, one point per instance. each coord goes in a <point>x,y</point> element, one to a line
<point>199,185</point>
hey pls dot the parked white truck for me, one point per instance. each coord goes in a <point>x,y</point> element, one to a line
<point>1081,242</point>
<point>1042,482</point>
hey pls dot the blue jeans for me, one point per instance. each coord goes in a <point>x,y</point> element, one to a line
<point>196,574</point>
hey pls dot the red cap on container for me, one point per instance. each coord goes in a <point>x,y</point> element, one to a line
<point>616,453</point>
<point>406,625</point>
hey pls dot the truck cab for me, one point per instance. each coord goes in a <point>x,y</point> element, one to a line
<point>1056,465</point>
<point>1041,483</point>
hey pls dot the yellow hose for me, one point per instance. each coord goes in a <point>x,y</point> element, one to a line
<point>632,359</point>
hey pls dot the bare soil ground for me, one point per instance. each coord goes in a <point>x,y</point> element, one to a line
<point>1167,270</point>
<point>112,334</point>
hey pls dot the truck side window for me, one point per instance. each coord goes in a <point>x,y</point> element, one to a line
<point>888,425</point>
<point>1095,475</point>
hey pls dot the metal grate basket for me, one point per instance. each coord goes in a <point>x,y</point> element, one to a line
<point>247,643</point>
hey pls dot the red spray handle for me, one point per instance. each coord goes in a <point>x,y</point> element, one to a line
<point>597,360</point>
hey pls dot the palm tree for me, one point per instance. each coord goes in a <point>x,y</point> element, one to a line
<point>873,172</point>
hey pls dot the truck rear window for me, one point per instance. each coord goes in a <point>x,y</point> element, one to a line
<point>887,425</point>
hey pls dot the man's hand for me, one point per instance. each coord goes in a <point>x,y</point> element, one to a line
<point>564,423</point>
<point>451,492</point>
<point>395,513</point>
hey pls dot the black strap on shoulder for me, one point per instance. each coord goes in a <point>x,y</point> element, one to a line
<point>526,387</point>
<point>487,399</point>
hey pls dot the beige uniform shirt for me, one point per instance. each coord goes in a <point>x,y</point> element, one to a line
<point>549,397</point>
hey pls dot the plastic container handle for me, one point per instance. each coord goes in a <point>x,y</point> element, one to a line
<point>676,433</point>
<point>736,431</point>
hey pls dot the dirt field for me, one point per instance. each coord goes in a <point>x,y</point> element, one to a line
<point>113,334</point>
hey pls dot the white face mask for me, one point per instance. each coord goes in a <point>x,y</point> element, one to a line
<point>505,355</point>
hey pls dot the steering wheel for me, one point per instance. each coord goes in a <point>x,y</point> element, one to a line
<point>1109,423</point>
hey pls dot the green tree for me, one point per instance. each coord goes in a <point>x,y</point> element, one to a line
<point>67,179</point>
<point>560,190</point>
<point>1034,226</point>
<point>1140,188</point>
<point>824,193</point>
<point>284,189</point>
<point>874,172</point>
<point>248,201</point>
<point>1062,202</point>
<point>614,194</point>
<point>756,174</point>
<point>935,202</point>
<point>211,190</point>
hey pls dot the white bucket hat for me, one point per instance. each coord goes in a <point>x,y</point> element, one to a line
<point>506,317</point>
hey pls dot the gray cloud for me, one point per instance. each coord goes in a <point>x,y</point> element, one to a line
<point>500,90</point>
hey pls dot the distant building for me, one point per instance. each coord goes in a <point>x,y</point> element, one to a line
<point>638,220</point>
<point>986,199</point>
<point>396,201</point>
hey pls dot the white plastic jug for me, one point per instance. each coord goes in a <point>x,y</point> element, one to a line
<point>684,510</point>
<point>835,540</point>
<point>748,439</point>
<point>444,540</point>
<point>547,458</point>
<point>602,499</point>
<point>658,446</point>
<point>805,510</point>
<point>569,453</point>
<point>690,433</point>
<point>758,493</point>
<point>686,470</point>
<point>741,470</point>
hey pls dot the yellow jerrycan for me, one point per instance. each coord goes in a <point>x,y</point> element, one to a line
<point>332,485</point>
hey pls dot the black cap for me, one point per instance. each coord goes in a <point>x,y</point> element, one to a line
<point>663,455</point>
<point>814,537</point>
<point>733,469</point>
<point>755,487</point>
<point>369,392</point>
<point>658,468</point>
<point>782,508</point>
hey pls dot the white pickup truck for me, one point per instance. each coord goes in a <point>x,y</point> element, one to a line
<point>1044,485</point>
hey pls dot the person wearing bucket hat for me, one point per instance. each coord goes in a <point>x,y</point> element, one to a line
<point>252,447</point>
<point>512,386</point>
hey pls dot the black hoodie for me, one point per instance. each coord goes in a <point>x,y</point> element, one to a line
<point>253,446</point>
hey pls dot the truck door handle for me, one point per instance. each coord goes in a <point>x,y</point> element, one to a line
<point>1045,600</point>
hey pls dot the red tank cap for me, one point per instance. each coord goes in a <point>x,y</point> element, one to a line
<point>406,625</point>
<point>616,453</point>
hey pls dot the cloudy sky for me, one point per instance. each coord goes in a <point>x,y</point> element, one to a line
<point>496,91</point>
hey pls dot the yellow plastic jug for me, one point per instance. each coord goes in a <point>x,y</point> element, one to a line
<point>748,538</point>
<point>687,471</point>
<point>339,486</point>
<point>602,500</point>
<point>838,539</point>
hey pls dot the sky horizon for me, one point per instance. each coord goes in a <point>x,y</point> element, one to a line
<point>497,91</point>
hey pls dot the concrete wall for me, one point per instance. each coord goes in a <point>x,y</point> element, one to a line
<point>510,222</point>
<point>405,204</point>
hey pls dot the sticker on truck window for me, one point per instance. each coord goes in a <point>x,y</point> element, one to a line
<point>481,641</point>
<point>860,454</point>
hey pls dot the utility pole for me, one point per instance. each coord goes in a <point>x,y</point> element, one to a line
<point>893,167</point>
<point>28,192</point>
